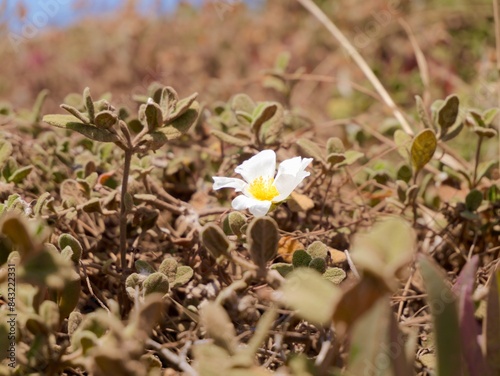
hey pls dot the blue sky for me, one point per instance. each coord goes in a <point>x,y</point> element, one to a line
<point>62,12</point>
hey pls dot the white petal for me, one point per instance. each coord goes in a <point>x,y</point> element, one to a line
<point>291,172</point>
<point>261,164</point>
<point>257,208</point>
<point>222,182</point>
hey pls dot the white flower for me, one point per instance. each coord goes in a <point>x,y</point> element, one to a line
<point>260,187</point>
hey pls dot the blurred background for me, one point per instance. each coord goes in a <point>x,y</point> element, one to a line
<point>219,48</point>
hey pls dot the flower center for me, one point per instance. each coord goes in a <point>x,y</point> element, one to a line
<point>263,189</point>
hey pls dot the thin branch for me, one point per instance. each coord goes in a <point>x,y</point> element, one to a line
<point>173,358</point>
<point>351,264</point>
<point>358,59</point>
<point>123,210</point>
<point>421,61</point>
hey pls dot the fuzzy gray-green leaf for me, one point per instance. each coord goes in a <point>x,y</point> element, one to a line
<point>448,113</point>
<point>156,283</point>
<point>105,119</point>
<point>5,151</point>
<point>215,241</point>
<point>232,140</point>
<point>72,123</point>
<point>68,240</point>
<point>262,237</point>
<point>301,258</point>
<point>89,104</point>
<point>242,102</point>
<point>183,275</point>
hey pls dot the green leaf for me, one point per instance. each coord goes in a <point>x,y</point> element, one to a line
<point>242,102</point>
<point>485,132</point>
<point>473,200</point>
<point>183,106</point>
<point>318,264</point>
<point>490,115</point>
<point>156,283</point>
<point>9,167</point>
<point>41,202</point>
<point>154,116</point>
<point>404,173</point>
<point>20,174</point>
<point>301,258</point>
<point>282,61</point>
<point>374,252</point>
<point>448,113</point>
<point>89,131</point>
<point>335,145</point>
<point>183,275</point>
<point>218,325</point>
<point>37,107</point>
<point>311,149</point>
<point>143,267</point>
<point>335,275</point>
<point>283,268</point>
<point>422,148</point>
<point>262,113</point>
<point>262,237</point>
<point>369,340</point>
<point>66,240</point>
<point>168,101</point>
<point>403,142</point>
<point>478,118</point>
<point>318,249</point>
<point>422,113</point>
<point>313,297</point>
<point>83,118</point>
<point>169,267</point>
<point>229,139</point>
<point>351,157</point>
<point>493,194</point>
<point>89,104</point>
<point>93,206</point>
<point>484,168</point>
<point>5,151</point>
<point>68,298</point>
<point>453,132</point>
<point>236,221</point>
<point>183,122</point>
<point>17,230</point>
<point>270,130</point>
<point>105,119</point>
<point>442,303</point>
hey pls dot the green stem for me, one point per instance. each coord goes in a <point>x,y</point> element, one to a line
<point>476,163</point>
<point>123,210</point>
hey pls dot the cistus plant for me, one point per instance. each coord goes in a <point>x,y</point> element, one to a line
<point>164,117</point>
<point>297,222</point>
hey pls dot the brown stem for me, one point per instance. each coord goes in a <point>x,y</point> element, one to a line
<point>123,210</point>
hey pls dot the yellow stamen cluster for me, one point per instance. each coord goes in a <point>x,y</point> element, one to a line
<point>263,189</point>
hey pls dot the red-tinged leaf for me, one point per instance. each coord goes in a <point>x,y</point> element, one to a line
<point>359,299</point>
<point>469,327</point>
<point>467,276</point>
<point>442,303</point>
<point>401,366</point>
<point>375,349</point>
<point>492,323</point>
